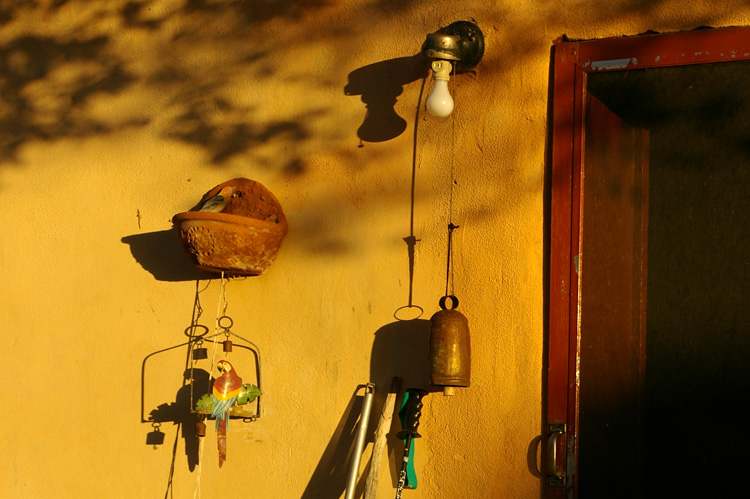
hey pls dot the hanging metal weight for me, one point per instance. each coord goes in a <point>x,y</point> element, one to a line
<point>200,352</point>
<point>200,429</point>
<point>226,322</point>
<point>450,347</point>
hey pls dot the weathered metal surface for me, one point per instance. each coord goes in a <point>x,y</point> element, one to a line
<point>450,349</point>
<point>200,429</point>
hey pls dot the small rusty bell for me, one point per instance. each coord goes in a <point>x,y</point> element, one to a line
<point>450,347</point>
<point>200,429</point>
<point>227,346</point>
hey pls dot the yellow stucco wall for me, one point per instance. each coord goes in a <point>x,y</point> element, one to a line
<point>118,114</point>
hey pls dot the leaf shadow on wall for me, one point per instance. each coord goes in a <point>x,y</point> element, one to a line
<point>41,104</point>
<point>162,255</point>
<point>380,84</point>
<point>53,85</point>
<point>224,131</point>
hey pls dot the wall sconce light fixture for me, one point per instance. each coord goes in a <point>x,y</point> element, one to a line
<point>456,48</point>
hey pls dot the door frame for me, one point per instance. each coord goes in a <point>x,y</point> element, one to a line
<point>573,61</point>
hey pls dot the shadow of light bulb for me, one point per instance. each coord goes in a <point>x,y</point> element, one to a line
<point>380,84</point>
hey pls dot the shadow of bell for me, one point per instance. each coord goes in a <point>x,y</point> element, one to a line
<point>401,349</point>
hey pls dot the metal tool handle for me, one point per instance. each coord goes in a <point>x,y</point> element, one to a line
<point>413,413</point>
<point>351,483</point>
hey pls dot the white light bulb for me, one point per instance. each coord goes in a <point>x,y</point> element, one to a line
<point>440,102</point>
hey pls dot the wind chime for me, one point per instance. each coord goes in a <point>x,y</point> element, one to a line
<point>457,47</point>
<point>225,396</point>
<point>236,229</point>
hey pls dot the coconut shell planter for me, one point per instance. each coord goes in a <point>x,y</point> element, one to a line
<point>243,238</point>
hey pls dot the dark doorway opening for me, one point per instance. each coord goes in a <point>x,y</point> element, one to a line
<point>697,317</point>
<point>648,326</point>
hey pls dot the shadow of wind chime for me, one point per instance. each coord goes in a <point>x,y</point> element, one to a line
<point>455,48</point>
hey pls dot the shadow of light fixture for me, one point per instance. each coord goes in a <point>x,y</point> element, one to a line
<point>456,48</point>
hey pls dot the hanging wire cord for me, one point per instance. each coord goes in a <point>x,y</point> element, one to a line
<point>449,283</point>
<point>449,265</point>
<point>219,314</point>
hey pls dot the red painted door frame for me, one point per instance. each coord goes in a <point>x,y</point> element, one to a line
<point>573,62</point>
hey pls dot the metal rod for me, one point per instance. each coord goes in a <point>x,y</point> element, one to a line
<point>351,483</point>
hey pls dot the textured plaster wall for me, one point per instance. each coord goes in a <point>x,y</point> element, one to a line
<point>116,115</point>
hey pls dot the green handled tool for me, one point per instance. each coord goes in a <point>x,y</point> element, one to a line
<point>413,410</point>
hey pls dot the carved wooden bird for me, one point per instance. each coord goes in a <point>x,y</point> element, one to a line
<point>217,203</point>
<point>227,388</point>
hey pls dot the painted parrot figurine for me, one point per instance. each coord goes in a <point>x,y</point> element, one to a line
<point>227,388</point>
<point>217,203</point>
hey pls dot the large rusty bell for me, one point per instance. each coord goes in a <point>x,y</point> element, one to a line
<point>450,347</point>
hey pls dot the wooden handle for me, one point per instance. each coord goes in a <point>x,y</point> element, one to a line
<point>381,434</point>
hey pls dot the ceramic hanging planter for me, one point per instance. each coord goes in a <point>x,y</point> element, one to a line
<point>243,239</point>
